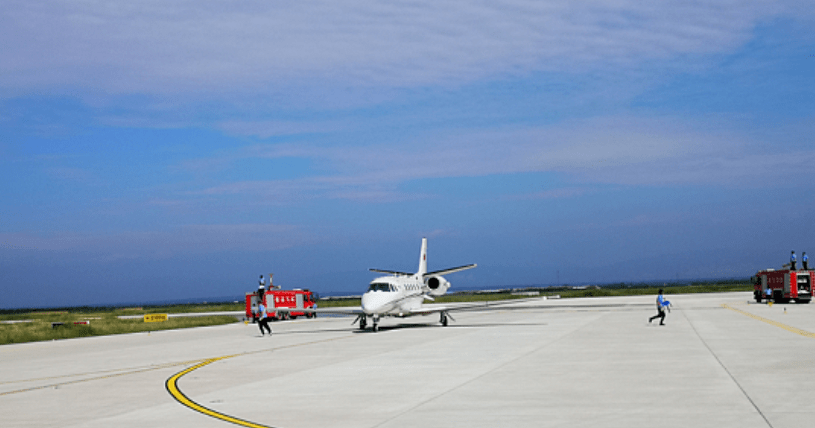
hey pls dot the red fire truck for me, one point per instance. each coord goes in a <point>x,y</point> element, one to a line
<point>275,298</point>
<point>784,285</point>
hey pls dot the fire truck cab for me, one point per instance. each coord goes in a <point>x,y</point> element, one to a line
<point>297,298</point>
<point>783,285</point>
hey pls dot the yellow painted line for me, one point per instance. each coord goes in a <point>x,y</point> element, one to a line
<point>172,385</point>
<point>771,322</point>
<point>172,388</point>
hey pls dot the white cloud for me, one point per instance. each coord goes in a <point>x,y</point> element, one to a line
<point>185,239</point>
<point>208,46</point>
<point>614,150</point>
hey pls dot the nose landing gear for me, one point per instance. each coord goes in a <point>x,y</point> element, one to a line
<point>444,317</point>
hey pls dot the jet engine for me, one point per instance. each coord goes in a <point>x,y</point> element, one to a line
<point>437,285</point>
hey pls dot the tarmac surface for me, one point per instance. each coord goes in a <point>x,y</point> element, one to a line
<point>720,361</point>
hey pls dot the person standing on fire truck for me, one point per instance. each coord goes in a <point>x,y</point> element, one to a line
<point>805,260</point>
<point>792,260</point>
<point>261,287</point>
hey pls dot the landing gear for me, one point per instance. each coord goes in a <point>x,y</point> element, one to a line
<point>376,323</point>
<point>362,323</point>
<point>443,319</point>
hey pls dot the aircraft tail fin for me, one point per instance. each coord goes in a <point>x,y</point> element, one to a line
<point>423,258</point>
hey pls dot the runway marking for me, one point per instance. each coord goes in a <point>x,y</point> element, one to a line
<point>771,322</point>
<point>172,385</point>
<point>172,388</point>
<point>721,364</point>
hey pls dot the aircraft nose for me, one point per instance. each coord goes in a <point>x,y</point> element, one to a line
<point>370,303</point>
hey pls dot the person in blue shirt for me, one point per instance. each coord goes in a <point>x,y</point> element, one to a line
<point>805,260</point>
<point>263,319</point>
<point>792,260</point>
<point>661,304</point>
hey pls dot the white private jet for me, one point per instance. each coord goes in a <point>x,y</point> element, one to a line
<point>402,294</point>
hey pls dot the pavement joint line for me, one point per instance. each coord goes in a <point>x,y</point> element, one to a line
<point>172,384</point>
<point>771,322</point>
<point>54,385</point>
<point>128,370</point>
<point>492,370</point>
<point>746,395</point>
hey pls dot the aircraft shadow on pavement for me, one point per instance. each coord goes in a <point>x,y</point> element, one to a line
<point>384,328</point>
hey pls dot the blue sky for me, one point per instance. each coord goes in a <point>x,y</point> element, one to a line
<point>172,150</point>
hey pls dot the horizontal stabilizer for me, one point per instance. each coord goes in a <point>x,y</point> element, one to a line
<point>392,272</point>
<point>451,270</point>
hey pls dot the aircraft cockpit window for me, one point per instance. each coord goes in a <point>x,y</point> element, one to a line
<point>380,286</point>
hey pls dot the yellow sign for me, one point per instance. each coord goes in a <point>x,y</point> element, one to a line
<point>155,317</point>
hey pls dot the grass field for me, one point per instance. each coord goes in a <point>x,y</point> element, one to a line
<point>101,323</point>
<point>104,321</point>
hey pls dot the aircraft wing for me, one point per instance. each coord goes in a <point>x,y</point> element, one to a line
<point>392,272</point>
<point>472,306</point>
<point>336,311</point>
<point>451,270</point>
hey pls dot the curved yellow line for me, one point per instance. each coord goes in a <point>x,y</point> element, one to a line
<point>771,322</point>
<point>172,388</point>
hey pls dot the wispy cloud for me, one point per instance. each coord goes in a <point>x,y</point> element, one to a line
<point>72,174</point>
<point>613,150</point>
<point>273,128</point>
<point>208,46</point>
<point>187,239</point>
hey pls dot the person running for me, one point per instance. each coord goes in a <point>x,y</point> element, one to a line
<point>661,304</point>
<point>263,319</point>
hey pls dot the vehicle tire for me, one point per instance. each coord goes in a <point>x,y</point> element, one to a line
<point>757,296</point>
